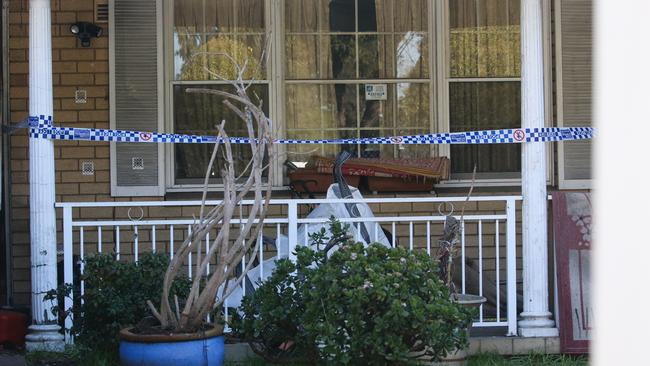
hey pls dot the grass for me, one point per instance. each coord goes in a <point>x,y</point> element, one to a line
<point>77,356</point>
<point>484,359</point>
<point>533,359</point>
<point>72,356</point>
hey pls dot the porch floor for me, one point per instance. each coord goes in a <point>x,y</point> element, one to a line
<point>505,346</point>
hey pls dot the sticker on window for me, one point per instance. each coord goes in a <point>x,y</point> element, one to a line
<point>376,92</point>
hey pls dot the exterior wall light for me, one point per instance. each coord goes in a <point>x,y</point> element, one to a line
<point>85,31</point>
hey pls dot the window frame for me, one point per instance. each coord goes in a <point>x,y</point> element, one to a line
<point>429,81</point>
<point>438,82</point>
<point>563,181</point>
<point>158,189</point>
<point>443,78</point>
<point>169,83</point>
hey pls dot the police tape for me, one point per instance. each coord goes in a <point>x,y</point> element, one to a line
<point>41,127</point>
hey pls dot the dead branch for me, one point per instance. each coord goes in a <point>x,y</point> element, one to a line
<point>228,248</point>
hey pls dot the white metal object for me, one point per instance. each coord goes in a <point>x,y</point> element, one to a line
<point>536,321</point>
<point>407,231</point>
<point>44,332</point>
<point>87,168</point>
<point>80,96</point>
<point>137,163</point>
<point>511,274</point>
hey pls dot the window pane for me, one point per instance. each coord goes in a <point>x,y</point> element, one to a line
<point>410,15</point>
<point>357,39</point>
<point>218,27</point>
<point>376,57</point>
<point>342,102</point>
<point>188,16</point>
<point>219,16</point>
<point>339,15</point>
<point>300,154</point>
<point>375,151</point>
<point>377,113</point>
<point>200,114</point>
<point>301,15</point>
<point>214,59</point>
<point>304,109</point>
<point>187,65</point>
<point>412,55</point>
<point>484,38</point>
<point>380,12</point>
<point>332,150</point>
<point>413,105</point>
<point>250,49</point>
<point>302,56</point>
<point>367,16</point>
<point>326,106</point>
<point>412,151</point>
<point>485,106</point>
<point>339,57</point>
<point>381,55</point>
<point>250,16</point>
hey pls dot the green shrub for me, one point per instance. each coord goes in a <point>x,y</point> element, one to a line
<point>274,316</point>
<point>115,295</point>
<point>360,305</point>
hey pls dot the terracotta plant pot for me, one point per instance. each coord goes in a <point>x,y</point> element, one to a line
<point>204,348</point>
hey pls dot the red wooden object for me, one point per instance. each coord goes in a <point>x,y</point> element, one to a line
<point>316,182</point>
<point>13,327</point>
<point>412,184</point>
<point>572,229</point>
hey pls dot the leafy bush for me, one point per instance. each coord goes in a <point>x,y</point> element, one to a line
<point>274,315</point>
<point>115,295</point>
<point>360,305</point>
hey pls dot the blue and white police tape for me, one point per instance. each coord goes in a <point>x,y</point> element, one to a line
<point>41,127</point>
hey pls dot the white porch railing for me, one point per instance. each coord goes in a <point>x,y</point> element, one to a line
<point>487,251</point>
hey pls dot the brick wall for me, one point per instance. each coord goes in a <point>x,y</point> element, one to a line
<point>73,68</point>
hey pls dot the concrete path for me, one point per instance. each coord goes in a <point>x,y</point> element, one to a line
<point>12,359</point>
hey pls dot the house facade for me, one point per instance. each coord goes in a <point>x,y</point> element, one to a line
<point>441,66</point>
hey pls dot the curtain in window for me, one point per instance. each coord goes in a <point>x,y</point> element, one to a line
<point>331,40</point>
<point>484,44</point>
<point>204,32</point>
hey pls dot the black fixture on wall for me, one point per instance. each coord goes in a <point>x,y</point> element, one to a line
<point>85,31</point>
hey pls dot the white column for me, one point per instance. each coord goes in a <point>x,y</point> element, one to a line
<point>43,334</point>
<point>535,319</point>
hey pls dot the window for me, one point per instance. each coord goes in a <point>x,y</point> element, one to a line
<point>483,83</point>
<point>336,49</point>
<point>203,31</point>
<point>331,52</point>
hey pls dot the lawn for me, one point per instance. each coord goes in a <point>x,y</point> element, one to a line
<point>486,359</point>
<point>75,357</point>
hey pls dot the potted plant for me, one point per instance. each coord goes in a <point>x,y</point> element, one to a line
<point>347,303</point>
<point>180,332</point>
<point>447,249</point>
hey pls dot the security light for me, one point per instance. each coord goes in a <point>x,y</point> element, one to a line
<point>85,31</point>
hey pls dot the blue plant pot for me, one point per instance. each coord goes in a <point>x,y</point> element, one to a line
<point>204,349</point>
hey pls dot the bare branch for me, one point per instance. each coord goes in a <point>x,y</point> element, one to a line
<point>229,248</point>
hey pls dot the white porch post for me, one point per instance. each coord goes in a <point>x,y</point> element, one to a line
<point>43,333</point>
<point>535,319</point>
